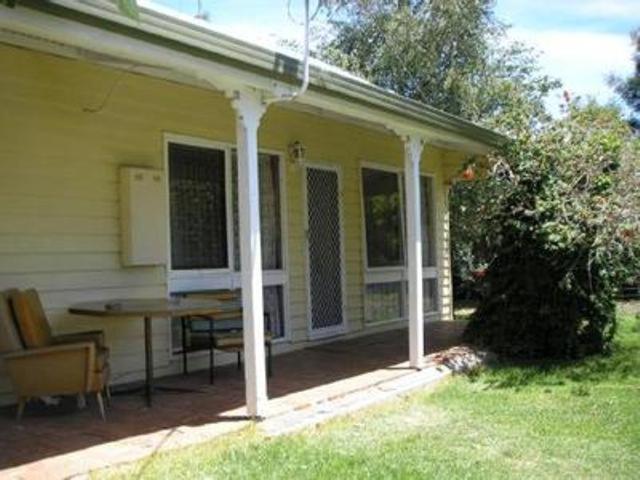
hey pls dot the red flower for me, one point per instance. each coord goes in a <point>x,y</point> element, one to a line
<point>480,273</point>
<point>468,174</point>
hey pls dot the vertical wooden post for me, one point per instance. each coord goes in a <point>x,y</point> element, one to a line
<point>412,152</point>
<point>249,108</point>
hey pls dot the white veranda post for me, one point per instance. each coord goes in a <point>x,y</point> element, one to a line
<point>249,107</point>
<point>412,152</point>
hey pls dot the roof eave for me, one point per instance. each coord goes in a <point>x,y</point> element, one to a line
<point>158,25</point>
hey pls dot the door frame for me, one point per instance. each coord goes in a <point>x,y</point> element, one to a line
<point>343,327</point>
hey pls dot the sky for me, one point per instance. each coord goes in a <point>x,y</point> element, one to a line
<point>580,42</point>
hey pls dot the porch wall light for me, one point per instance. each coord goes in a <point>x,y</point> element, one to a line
<point>297,152</point>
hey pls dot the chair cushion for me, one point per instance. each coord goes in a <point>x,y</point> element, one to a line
<point>9,338</point>
<point>31,319</point>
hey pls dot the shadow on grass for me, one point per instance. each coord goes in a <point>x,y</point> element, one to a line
<point>622,364</point>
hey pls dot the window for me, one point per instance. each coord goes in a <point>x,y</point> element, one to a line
<point>428,224</point>
<point>384,212</point>
<point>429,260</point>
<point>274,307</point>
<point>198,208</point>
<point>384,301</point>
<point>429,295</point>
<point>204,230</point>
<point>385,291</point>
<point>383,218</point>
<point>270,220</point>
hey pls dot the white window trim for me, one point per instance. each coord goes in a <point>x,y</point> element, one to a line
<point>228,278</point>
<point>392,274</point>
<point>389,169</point>
<point>195,274</point>
<point>432,269</point>
<point>344,327</point>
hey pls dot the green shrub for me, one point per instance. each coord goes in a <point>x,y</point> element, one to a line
<point>565,233</point>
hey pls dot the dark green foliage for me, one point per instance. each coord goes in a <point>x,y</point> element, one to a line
<point>629,88</point>
<point>472,205</point>
<point>453,55</point>
<point>566,232</point>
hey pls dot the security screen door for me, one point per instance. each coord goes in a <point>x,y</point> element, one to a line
<point>324,244</point>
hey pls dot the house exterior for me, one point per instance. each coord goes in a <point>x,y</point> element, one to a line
<point>328,211</point>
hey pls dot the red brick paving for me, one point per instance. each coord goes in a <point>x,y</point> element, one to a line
<point>51,432</point>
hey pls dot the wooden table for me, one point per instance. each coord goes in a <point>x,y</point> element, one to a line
<point>148,308</point>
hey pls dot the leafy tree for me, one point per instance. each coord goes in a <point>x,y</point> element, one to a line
<point>453,55</point>
<point>564,234</point>
<point>629,88</point>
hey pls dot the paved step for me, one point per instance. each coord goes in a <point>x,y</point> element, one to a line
<point>327,409</point>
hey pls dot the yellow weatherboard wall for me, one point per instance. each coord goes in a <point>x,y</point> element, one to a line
<point>59,192</point>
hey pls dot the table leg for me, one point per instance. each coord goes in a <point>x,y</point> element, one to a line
<point>211,354</point>
<point>148,351</point>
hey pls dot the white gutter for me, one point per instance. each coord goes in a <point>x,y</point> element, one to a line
<point>305,73</point>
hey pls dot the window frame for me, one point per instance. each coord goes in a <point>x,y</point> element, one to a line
<point>432,269</point>
<point>432,272</point>
<point>389,274</point>
<point>202,143</point>
<point>227,278</point>
<point>282,198</point>
<point>390,271</point>
<point>392,274</point>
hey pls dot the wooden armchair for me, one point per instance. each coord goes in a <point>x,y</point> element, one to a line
<point>40,364</point>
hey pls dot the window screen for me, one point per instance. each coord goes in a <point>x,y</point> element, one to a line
<point>198,209</point>
<point>274,308</point>
<point>383,218</point>
<point>270,220</point>
<point>427,212</point>
<point>429,295</point>
<point>384,301</point>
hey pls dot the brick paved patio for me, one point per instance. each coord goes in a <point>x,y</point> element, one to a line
<point>56,439</point>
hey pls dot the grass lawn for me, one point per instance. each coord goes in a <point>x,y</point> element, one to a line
<point>579,420</point>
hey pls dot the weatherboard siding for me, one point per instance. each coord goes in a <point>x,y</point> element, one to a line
<point>59,205</point>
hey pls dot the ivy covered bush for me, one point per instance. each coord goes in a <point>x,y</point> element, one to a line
<point>565,232</point>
